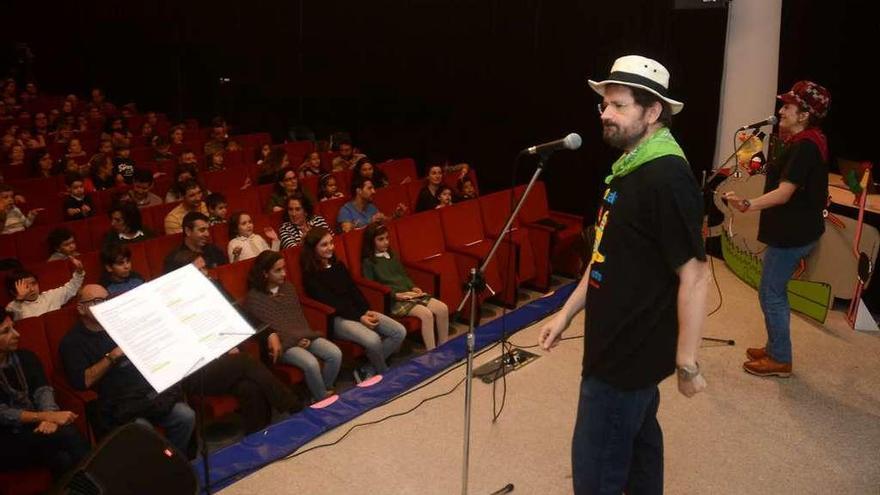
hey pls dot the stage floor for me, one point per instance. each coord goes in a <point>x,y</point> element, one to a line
<point>816,432</point>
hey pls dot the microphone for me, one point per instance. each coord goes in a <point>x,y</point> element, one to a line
<point>771,120</point>
<point>570,142</point>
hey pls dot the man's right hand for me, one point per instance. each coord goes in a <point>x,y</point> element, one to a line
<point>117,353</point>
<point>369,320</point>
<point>551,332</point>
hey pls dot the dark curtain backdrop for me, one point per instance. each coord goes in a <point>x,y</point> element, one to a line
<point>469,80</point>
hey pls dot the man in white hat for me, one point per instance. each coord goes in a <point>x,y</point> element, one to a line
<point>644,291</point>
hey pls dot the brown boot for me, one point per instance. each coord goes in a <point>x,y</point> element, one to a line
<point>768,367</point>
<point>756,353</point>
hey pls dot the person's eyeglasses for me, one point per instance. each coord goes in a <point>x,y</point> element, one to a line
<point>92,302</point>
<point>617,107</point>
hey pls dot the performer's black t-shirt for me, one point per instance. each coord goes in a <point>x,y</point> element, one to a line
<point>799,221</point>
<point>649,225</point>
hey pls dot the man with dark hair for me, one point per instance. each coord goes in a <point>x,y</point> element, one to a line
<point>192,202</point>
<point>197,238</point>
<point>93,361</point>
<point>140,193</point>
<point>644,290</point>
<point>360,211</point>
<point>347,158</point>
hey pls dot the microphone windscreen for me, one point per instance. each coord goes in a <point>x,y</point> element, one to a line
<point>773,120</point>
<point>572,141</point>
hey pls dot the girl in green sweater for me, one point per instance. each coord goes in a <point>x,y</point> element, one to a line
<point>381,265</point>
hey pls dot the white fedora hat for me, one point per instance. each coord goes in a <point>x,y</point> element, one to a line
<point>639,72</point>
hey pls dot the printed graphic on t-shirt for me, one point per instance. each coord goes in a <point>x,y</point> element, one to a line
<point>598,258</point>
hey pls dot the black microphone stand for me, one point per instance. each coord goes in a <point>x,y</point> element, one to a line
<point>475,286</point>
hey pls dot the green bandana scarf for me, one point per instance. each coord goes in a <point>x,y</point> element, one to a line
<point>661,143</point>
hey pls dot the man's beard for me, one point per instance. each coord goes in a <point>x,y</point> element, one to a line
<point>621,140</point>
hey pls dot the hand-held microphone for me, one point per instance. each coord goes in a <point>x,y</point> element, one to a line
<point>570,142</point>
<point>771,120</point>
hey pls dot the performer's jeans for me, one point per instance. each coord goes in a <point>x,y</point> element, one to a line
<point>779,266</point>
<point>317,379</point>
<point>617,444</point>
<point>379,343</point>
<point>178,425</point>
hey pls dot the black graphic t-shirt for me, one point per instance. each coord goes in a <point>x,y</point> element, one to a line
<point>649,225</point>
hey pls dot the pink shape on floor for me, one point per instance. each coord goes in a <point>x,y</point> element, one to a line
<point>326,402</point>
<point>369,382</point>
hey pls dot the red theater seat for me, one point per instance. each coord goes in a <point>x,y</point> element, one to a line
<point>399,171</point>
<point>536,214</point>
<point>532,245</point>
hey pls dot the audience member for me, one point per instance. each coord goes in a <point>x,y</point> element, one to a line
<point>347,157</point>
<point>140,193</point>
<point>182,174</point>
<point>118,277</point>
<point>286,184</point>
<point>444,196</point>
<point>273,301</point>
<point>382,265</point>
<point>102,176</point>
<point>123,164</point>
<point>427,199</point>
<point>28,301</point>
<point>197,238</point>
<point>78,204</point>
<point>327,188</point>
<point>192,202</point>
<point>244,243</point>
<point>16,221</point>
<point>34,431</point>
<point>311,166</point>
<point>218,208</point>
<point>126,225</point>
<point>62,244</point>
<point>360,211</point>
<point>93,361</point>
<point>275,161</point>
<point>298,219</point>
<point>364,168</point>
<point>258,392</point>
<point>328,281</point>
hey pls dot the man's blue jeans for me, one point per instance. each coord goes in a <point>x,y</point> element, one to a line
<point>617,444</point>
<point>779,266</point>
<point>178,424</point>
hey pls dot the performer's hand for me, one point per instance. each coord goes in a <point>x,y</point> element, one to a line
<point>551,332</point>
<point>274,343</point>
<point>46,428</point>
<point>734,201</point>
<point>117,353</point>
<point>691,387</point>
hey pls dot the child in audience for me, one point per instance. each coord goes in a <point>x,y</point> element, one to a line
<point>77,205</point>
<point>16,221</point>
<point>102,176</point>
<point>123,165</point>
<point>62,244</point>
<point>28,301</point>
<point>215,161</point>
<point>365,168</point>
<point>273,300</point>
<point>217,208</point>
<point>118,277</point>
<point>466,189</point>
<point>312,165</point>
<point>244,243</point>
<point>382,265</point>
<point>444,196</point>
<point>327,188</point>
<point>328,281</point>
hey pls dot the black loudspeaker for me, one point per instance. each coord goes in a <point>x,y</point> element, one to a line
<point>133,459</point>
<point>700,4</point>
